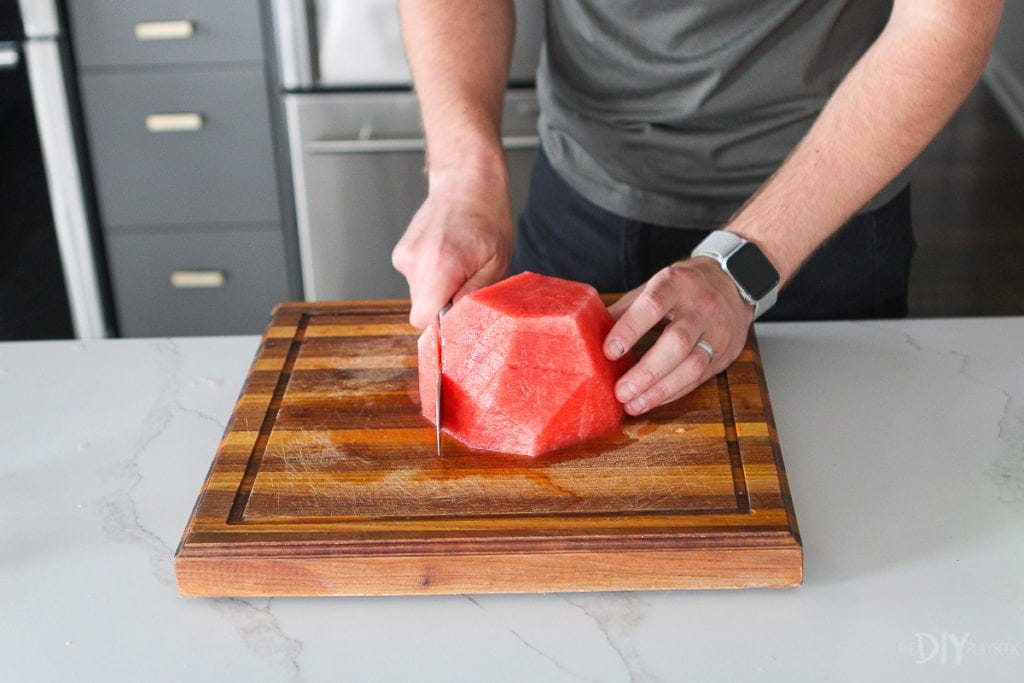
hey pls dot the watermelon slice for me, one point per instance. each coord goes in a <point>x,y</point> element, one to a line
<point>523,371</point>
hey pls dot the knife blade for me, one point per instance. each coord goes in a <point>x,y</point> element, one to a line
<point>440,369</point>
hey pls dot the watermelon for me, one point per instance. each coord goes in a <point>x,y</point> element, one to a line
<point>523,371</point>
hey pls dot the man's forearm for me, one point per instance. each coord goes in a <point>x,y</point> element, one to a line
<point>883,114</point>
<point>461,237</point>
<point>460,55</point>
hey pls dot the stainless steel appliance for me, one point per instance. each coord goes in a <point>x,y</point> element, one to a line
<point>50,256</point>
<point>355,136</point>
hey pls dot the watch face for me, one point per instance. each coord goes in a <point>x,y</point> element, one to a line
<point>753,271</point>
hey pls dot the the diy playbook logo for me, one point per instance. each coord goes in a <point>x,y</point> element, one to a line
<point>953,648</point>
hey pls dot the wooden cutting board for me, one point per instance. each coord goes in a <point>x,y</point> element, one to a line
<point>327,483</point>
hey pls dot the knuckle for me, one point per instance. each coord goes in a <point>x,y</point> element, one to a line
<point>680,274</point>
<point>679,338</point>
<point>656,395</point>
<point>703,299</point>
<point>652,301</point>
<point>662,289</point>
<point>642,375</point>
<point>400,260</point>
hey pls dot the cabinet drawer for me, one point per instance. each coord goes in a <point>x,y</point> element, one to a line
<point>150,32</point>
<point>171,148</point>
<point>196,282</point>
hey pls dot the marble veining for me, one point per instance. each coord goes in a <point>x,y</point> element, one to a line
<point>1006,469</point>
<point>617,615</point>
<point>118,508</point>
<point>533,647</point>
<point>253,618</point>
<point>262,634</point>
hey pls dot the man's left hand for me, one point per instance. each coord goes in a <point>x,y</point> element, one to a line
<point>699,303</point>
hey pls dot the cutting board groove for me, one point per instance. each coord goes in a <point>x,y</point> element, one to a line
<point>326,482</point>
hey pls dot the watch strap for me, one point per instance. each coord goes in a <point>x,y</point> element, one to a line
<point>720,245</point>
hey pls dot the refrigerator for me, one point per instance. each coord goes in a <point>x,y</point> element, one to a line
<point>50,262</point>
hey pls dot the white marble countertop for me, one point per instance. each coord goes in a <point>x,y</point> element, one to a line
<point>903,441</point>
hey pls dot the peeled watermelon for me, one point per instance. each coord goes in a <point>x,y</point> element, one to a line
<point>523,371</point>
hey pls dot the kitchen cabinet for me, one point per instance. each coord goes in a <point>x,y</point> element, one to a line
<point>180,128</point>
<point>109,33</point>
<point>1005,71</point>
<point>208,281</point>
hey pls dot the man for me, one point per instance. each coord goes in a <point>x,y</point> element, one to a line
<point>774,122</point>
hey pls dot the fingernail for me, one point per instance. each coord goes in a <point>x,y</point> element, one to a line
<point>638,406</point>
<point>615,349</point>
<point>627,390</point>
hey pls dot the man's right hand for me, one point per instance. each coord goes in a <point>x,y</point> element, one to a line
<point>460,239</point>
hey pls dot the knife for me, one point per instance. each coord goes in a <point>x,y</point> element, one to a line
<point>437,386</point>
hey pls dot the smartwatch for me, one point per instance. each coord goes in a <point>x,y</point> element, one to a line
<point>746,265</point>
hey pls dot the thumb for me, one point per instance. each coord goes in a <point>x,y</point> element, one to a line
<point>429,298</point>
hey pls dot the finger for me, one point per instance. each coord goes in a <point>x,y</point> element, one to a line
<point>707,348</point>
<point>725,353</point>
<point>429,295</point>
<point>646,310</point>
<point>688,388</point>
<point>673,345</point>
<point>619,307</point>
<point>681,380</point>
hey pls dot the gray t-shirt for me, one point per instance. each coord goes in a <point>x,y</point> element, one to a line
<point>676,112</point>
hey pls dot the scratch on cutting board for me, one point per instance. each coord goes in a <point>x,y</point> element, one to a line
<point>309,452</point>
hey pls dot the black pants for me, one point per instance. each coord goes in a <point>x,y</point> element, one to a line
<point>860,272</point>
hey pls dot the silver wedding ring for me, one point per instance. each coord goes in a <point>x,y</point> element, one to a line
<point>708,348</point>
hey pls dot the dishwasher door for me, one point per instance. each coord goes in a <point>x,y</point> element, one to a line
<point>357,166</point>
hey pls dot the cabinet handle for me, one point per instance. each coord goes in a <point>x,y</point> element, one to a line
<point>391,145</point>
<point>9,56</point>
<point>198,279</point>
<point>174,122</point>
<point>164,30</point>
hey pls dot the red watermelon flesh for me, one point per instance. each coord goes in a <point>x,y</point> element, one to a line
<point>523,372</point>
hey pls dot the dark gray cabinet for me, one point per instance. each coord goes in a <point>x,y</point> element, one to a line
<point>115,33</point>
<point>178,118</point>
<point>181,147</point>
<point>196,281</point>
